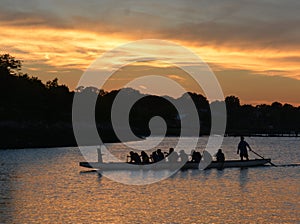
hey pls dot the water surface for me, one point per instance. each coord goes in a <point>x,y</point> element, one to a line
<point>48,186</point>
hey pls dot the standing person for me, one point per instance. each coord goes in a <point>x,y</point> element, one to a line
<point>242,149</point>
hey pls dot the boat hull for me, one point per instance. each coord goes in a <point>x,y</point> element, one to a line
<point>167,166</point>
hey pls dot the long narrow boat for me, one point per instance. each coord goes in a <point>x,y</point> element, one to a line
<point>118,166</point>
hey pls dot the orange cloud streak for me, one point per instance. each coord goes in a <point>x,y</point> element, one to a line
<point>62,50</point>
<point>77,49</point>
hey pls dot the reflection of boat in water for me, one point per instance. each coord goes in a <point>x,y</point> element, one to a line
<point>118,166</point>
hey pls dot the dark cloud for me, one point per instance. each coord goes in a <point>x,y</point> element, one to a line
<point>32,19</point>
<point>261,23</point>
<point>262,35</point>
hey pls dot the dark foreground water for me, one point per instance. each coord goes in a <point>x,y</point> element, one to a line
<point>48,186</point>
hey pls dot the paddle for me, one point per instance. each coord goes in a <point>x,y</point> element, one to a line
<point>263,158</point>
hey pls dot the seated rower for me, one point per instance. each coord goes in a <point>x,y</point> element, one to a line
<point>220,156</point>
<point>160,154</point>
<point>145,157</point>
<point>172,156</point>
<point>154,157</point>
<point>196,157</point>
<point>183,156</point>
<point>134,158</point>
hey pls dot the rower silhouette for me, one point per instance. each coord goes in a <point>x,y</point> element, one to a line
<point>242,149</point>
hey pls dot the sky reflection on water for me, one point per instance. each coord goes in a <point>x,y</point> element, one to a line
<point>47,186</point>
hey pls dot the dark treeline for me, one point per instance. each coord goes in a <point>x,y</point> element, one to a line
<point>34,114</point>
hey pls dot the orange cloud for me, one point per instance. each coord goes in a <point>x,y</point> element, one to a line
<point>176,77</point>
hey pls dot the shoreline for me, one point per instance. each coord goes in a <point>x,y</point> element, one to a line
<point>72,143</point>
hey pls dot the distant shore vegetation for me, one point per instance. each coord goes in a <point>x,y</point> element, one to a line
<point>37,114</point>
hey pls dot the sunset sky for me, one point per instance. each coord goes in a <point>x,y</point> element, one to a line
<point>252,46</point>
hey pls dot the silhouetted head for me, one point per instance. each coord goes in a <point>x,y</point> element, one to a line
<point>171,150</point>
<point>159,150</point>
<point>242,138</point>
<point>220,151</point>
<point>131,153</point>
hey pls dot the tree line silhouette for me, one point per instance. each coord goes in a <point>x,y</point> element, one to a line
<point>37,114</point>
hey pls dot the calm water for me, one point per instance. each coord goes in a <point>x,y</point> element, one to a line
<point>48,186</point>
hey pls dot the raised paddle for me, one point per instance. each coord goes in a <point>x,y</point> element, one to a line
<point>263,158</point>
